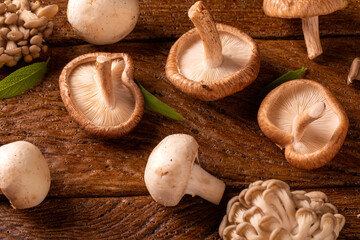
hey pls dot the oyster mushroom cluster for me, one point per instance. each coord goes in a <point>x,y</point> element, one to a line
<point>23,27</point>
<point>268,210</point>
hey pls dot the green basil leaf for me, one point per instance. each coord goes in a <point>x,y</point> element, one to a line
<point>284,78</point>
<point>155,105</point>
<point>22,80</point>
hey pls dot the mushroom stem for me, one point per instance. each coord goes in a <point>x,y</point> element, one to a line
<point>354,71</point>
<point>104,79</point>
<point>204,23</point>
<point>205,185</point>
<point>301,121</point>
<point>310,28</point>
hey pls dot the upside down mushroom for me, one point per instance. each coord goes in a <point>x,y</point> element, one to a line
<point>170,172</point>
<point>212,61</point>
<point>268,210</point>
<point>304,117</point>
<point>99,92</point>
<point>309,11</point>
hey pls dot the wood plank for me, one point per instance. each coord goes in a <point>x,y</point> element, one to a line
<point>162,19</point>
<point>140,218</point>
<point>232,147</point>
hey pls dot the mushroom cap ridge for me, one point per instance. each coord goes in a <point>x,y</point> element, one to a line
<point>302,8</point>
<point>80,118</point>
<point>169,168</point>
<point>213,90</point>
<point>312,160</point>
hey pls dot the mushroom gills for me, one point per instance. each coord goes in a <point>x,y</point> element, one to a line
<point>99,93</point>
<point>192,60</point>
<point>291,104</point>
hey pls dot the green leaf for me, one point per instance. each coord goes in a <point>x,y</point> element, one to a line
<point>284,78</point>
<point>22,80</point>
<point>155,105</point>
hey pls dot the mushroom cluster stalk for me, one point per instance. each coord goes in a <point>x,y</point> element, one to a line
<point>310,28</point>
<point>205,24</point>
<point>205,185</point>
<point>104,79</point>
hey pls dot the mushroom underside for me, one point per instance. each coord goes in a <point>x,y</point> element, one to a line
<point>291,104</point>
<point>87,95</point>
<point>192,64</point>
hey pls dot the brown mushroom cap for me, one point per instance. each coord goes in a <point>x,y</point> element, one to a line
<point>320,139</point>
<point>123,75</point>
<point>239,63</point>
<point>302,8</point>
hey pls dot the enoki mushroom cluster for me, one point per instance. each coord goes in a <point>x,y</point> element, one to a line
<point>268,210</point>
<point>23,27</point>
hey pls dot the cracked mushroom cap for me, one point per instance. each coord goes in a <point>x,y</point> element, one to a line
<point>268,210</point>
<point>212,61</point>
<point>304,117</point>
<point>302,8</point>
<point>100,94</point>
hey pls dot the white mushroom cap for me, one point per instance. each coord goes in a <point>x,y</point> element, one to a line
<point>103,21</point>
<point>24,174</point>
<point>170,172</point>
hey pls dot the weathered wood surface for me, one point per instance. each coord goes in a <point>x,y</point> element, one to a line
<point>97,186</point>
<point>232,145</point>
<point>163,19</point>
<point>140,218</point>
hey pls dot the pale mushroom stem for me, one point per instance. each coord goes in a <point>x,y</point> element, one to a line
<point>104,79</point>
<point>311,114</point>
<point>354,71</point>
<point>204,23</point>
<point>205,185</point>
<point>310,28</point>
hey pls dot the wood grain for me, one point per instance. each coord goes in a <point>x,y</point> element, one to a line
<point>162,19</point>
<point>232,147</point>
<point>97,189</point>
<point>140,218</point>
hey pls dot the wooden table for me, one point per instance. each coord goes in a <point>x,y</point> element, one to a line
<point>97,189</point>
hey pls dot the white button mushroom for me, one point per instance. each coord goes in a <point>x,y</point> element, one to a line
<point>171,173</point>
<point>24,174</point>
<point>103,21</point>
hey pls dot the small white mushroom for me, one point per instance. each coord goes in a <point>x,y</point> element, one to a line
<point>15,34</point>
<point>2,8</point>
<point>24,174</point>
<point>12,49</point>
<point>170,172</point>
<point>10,18</point>
<point>49,11</point>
